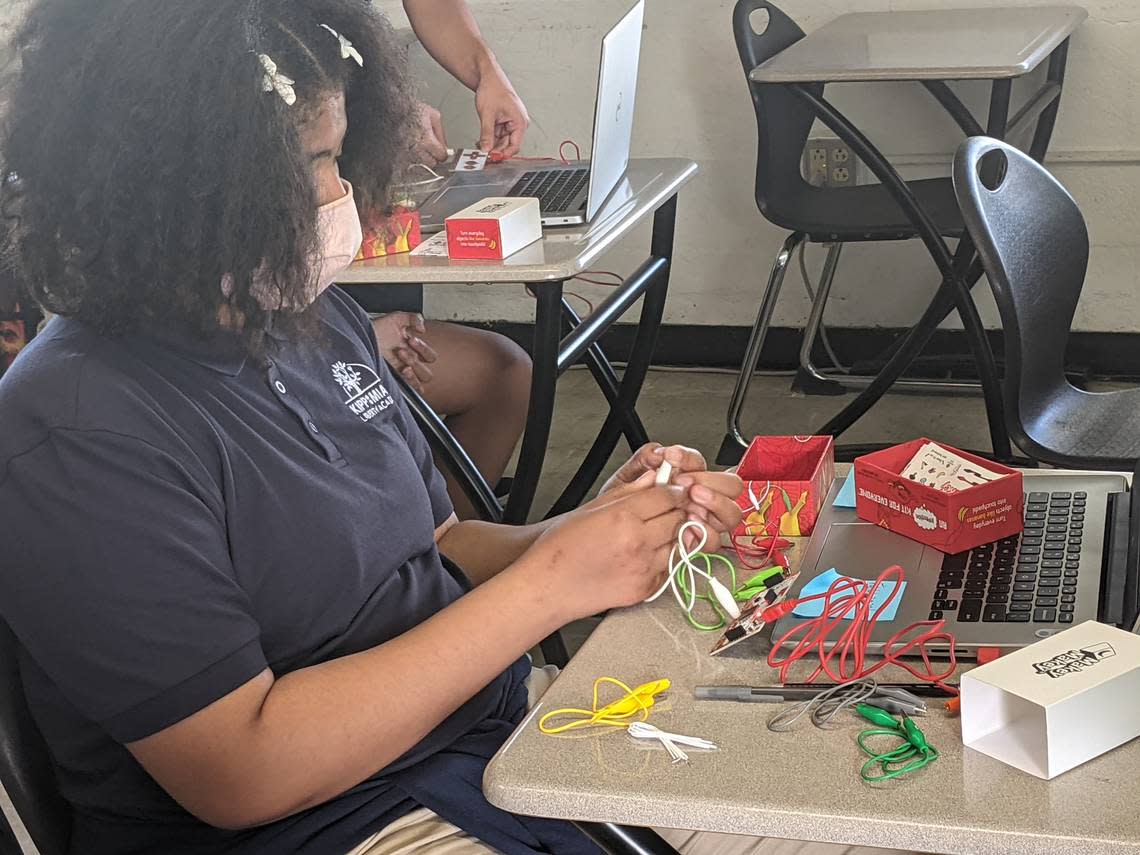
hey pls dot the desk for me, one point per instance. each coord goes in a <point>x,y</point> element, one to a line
<point>930,47</point>
<point>801,785</point>
<point>561,337</point>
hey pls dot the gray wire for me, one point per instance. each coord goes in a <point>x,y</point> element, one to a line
<point>824,707</point>
<point>823,337</point>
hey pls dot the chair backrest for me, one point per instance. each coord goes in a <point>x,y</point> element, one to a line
<point>1034,247</point>
<point>782,120</point>
<point>26,768</point>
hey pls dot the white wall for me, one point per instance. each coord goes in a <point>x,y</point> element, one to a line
<point>692,101</point>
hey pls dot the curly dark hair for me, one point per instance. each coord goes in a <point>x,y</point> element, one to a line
<point>145,161</point>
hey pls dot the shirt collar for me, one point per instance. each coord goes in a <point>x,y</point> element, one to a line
<point>221,351</point>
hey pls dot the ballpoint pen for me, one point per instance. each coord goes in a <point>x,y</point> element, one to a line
<point>892,699</point>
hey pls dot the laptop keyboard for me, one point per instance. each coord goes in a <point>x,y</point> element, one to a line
<point>1031,577</point>
<point>555,189</point>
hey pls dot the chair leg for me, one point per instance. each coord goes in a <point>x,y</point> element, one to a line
<point>735,435</point>
<point>815,318</point>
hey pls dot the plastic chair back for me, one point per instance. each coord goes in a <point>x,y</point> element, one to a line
<point>1034,246</point>
<point>782,121</point>
<point>26,768</point>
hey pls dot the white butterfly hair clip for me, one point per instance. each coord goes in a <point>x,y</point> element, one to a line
<point>275,81</point>
<point>347,51</point>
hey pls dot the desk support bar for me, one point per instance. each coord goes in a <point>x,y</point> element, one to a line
<point>951,275</point>
<point>1056,74</point>
<point>540,412</point>
<point>606,378</point>
<point>1032,108</point>
<point>953,105</point>
<point>625,840</point>
<point>608,311</point>
<point>652,310</point>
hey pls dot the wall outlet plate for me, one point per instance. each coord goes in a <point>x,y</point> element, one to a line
<point>828,162</point>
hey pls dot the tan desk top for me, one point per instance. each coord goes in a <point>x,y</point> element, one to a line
<point>801,785</point>
<point>925,44</point>
<point>563,252</point>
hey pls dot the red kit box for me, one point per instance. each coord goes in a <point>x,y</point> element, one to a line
<point>949,521</point>
<point>391,234</point>
<point>786,479</point>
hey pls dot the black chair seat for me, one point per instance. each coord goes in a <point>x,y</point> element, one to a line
<point>862,213</point>
<point>1073,427</point>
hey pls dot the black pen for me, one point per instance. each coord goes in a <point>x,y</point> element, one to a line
<point>922,690</point>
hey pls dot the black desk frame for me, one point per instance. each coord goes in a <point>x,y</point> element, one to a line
<point>961,269</point>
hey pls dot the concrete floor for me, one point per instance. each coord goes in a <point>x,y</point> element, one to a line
<point>689,407</point>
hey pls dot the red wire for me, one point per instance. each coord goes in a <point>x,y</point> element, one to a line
<point>577,151</point>
<point>589,304</point>
<point>846,659</point>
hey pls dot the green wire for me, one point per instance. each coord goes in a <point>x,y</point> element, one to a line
<point>682,585</point>
<point>911,755</point>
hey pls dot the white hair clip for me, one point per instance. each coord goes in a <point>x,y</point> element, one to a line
<point>275,81</point>
<point>347,51</point>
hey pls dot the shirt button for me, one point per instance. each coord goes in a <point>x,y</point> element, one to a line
<point>314,428</point>
<point>279,386</point>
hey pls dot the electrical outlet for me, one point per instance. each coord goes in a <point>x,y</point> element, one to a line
<point>816,165</point>
<point>828,162</point>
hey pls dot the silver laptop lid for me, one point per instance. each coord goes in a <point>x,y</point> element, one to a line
<point>613,110</point>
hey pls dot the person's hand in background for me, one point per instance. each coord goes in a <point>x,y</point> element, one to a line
<point>400,336</point>
<point>431,146</point>
<point>503,118</point>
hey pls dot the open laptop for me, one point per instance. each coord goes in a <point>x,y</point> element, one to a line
<point>567,194</point>
<point>1072,563</point>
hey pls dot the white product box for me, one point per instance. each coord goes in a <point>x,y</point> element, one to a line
<point>493,228</point>
<point>1056,703</point>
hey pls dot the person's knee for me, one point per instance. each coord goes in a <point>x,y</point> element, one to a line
<point>511,369</point>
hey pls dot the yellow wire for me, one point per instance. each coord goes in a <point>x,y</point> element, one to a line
<point>616,714</point>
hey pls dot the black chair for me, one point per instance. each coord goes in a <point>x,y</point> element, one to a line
<point>26,768</point>
<point>1034,247</point>
<point>825,215</point>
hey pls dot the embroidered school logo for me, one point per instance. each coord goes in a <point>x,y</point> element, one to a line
<point>365,394</point>
<point>1073,661</point>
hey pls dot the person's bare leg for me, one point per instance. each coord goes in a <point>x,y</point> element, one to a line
<point>481,386</point>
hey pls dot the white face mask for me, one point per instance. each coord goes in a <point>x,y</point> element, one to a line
<point>338,225</point>
<point>340,236</point>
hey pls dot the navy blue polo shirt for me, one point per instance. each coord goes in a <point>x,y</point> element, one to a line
<point>176,518</point>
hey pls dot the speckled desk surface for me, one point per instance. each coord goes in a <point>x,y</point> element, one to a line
<point>802,785</point>
<point>648,183</point>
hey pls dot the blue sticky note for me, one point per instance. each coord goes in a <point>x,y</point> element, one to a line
<point>822,582</point>
<point>846,496</point>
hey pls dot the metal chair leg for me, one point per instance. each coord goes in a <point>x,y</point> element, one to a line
<point>625,839</point>
<point>735,435</point>
<point>815,318</point>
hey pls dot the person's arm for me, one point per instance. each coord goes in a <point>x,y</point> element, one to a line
<point>273,747</point>
<point>483,549</point>
<point>448,32</point>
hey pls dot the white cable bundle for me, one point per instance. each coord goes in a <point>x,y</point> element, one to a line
<point>681,560</point>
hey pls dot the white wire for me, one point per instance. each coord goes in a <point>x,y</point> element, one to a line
<point>685,564</point>
<point>435,177</point>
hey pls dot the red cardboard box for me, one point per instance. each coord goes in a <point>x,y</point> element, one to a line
<point>391,234</point>
<point>951,522</point>
<point>786,479</point>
